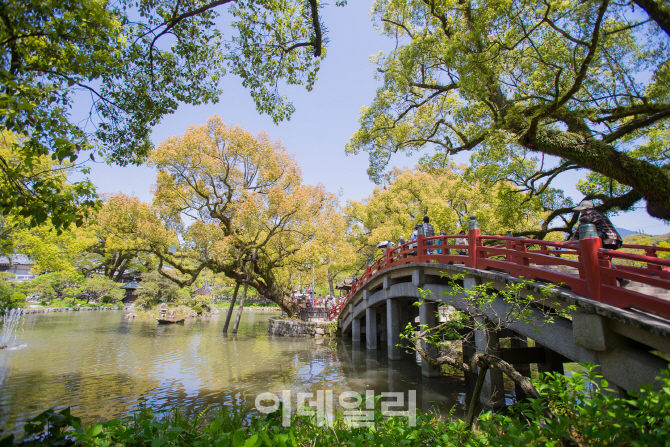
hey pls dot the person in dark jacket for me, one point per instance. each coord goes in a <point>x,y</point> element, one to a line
<point>608,234</point>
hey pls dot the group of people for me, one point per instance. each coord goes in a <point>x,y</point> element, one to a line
<point>611,240</point>
<point>318,301</point>
<point>429,231</point>
<point>610,237</point>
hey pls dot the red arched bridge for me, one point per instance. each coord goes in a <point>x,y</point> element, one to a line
<point>625,330</point>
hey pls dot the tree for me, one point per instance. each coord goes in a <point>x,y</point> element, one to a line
<point>587,83</point>
<point>58,285</point>
<point>242,194</point>
<point>99,286</point>
<point>53,252</point>
<point>29,188</point>
<point>444,195</point>
<point>136,61</point>
<point>109,253</point>
<point>157,287</point>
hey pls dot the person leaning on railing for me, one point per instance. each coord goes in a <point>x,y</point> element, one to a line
<point>439,242</point>
<point>608,234</point>
<point>462,241</point>
<point>413,238</point>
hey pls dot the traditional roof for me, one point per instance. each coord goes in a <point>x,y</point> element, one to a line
<point>346,285</point>
<point>204,290</point>
<point>132,285</point>
<point>16,259</point>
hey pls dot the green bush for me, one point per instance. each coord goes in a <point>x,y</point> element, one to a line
<point>583,414</point>
<point>143,302</point>
<point>10,298</point>
<point>197,308</point>
<point>18,299</point>
<point>203,303</point>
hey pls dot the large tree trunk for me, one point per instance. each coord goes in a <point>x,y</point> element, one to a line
<point>651,181</point>
<point>277,296</point>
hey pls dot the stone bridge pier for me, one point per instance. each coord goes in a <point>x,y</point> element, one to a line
<point>628,345</point>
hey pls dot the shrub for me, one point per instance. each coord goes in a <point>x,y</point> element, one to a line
<point>197,308</point>
<point>9,299</point>
<point>18,299</point>
<point>143,303</point>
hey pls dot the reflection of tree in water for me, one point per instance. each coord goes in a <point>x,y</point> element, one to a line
<point>105,367</point>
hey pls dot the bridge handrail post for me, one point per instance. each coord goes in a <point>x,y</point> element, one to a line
<point>589,246</point>
<point>651,252</point>
<point>510,246</point>
<point>473,241</point>
<point>420,243</point>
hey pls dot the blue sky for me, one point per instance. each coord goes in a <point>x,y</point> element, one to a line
<point>324,120</point>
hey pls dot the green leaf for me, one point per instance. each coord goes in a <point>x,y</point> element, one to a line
<point>253,441</point>
<point>96,430</point>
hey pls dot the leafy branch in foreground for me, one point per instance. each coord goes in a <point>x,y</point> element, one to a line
<point>91,79</point>
<point>481,315</point>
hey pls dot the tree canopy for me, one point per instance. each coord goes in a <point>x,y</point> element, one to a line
<point>136,62</point>
<point>223,194</point>
<point>447,198</point>
<point>516,81</point>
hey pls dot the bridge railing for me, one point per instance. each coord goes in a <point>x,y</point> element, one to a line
<point>529,258</point>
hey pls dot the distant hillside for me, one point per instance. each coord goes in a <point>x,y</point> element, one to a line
<point>623,232</point>
<point>643,239</point>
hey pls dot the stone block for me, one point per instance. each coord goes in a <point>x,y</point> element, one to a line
<point>418,278</point>
<point>590,331</point>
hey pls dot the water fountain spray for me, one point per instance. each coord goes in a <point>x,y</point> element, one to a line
<point>10,322</point>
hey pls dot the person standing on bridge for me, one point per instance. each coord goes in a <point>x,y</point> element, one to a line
<point>439,242</point>
<point>412,238</point>
<point>428,231</point>
<point>608,234</point>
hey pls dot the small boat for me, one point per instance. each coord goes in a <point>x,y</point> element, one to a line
<point>170,320</point>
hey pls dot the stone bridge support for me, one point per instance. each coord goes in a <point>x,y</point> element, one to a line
<point>355,326</point>
<point>427,319</point>
<point>393,328</point>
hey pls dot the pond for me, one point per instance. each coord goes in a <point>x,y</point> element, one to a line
<point>105,366</point>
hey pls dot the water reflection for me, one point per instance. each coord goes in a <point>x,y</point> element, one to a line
<point>105,366</point>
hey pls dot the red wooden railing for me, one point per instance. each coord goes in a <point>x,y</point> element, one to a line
<point>597,278</point>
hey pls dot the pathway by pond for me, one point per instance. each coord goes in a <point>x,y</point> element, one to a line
<point>105,366</point>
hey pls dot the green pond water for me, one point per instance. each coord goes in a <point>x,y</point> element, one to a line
<point>105,366</point>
